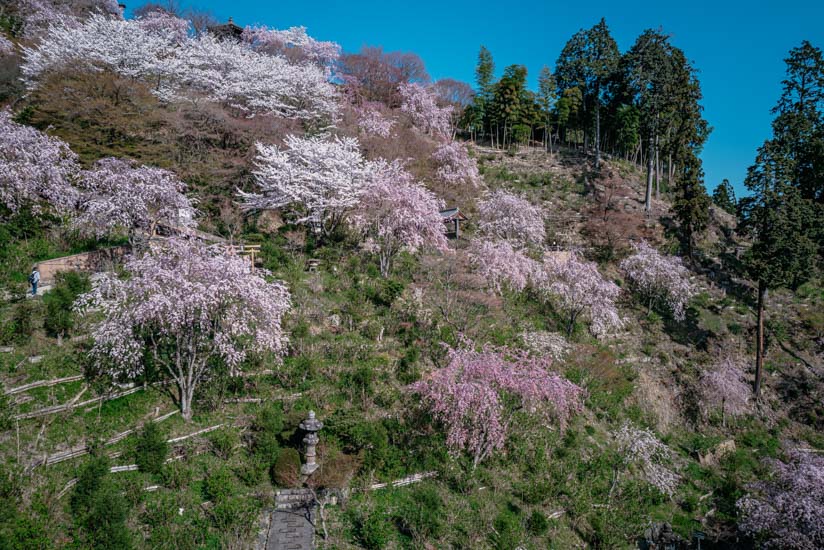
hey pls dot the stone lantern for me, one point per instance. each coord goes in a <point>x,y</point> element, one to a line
<point>311,425</point>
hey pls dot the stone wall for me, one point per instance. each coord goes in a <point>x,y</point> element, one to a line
<point>95,260</point>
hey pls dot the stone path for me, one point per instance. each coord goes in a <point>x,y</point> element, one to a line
<point>291,530</point>
<point>290,526</point>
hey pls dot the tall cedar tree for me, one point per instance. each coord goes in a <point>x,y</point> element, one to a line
<point>587,62</point>
<point>691,203</point>
<point>485,79</point>
<point>657,78</point>
<point>724,197</point>
<point>786,196</point>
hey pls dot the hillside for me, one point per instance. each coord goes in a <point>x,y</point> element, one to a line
<point>559,374</point>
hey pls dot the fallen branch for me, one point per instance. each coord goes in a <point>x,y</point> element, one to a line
<point>82,450</point>
<point>71,405</point>
<point>409,480</point>
<point>199,432</point>
<point>43,383</point>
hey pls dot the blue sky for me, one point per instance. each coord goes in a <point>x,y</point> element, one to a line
<point>737,46</point>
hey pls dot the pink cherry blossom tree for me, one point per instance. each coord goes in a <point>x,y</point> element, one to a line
<point>506,216</point>
<point>189,307</point>
<point>477,393</point>
<point>578,290</point>
<point>120,195</point>
<point>421,105</point>
<point>643,450</point>
<point>320,180</point>
<point>501,265</point>
<point>187,68</point>
<point>6,46</point>
<point>657,277</point>
<point>165,25</point>
<point>455,166</point>
<point>294,44</point>
<point>724,387</point>
<point>397,213</point>
<point>35,169</point>
<point>785,511</point>
<point>372,121</point>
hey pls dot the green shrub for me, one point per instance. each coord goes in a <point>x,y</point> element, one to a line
<point>537,524</point>
<point>372,530</point>
<point>286,470</point>
<point>223,442</point>
<point>21,326</point>
<point>176,475</point>
<point>6,413</point>
<point>266,429</point>
<point>508,533</point>
<point>219,485</point>
<point>421,514</point>
<point>98,508</point>
<point>151,450</point>
<point>234,517</point>
<point>60,300</point>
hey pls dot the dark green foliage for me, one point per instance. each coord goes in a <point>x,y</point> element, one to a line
<point>266,429</point>
<point>691,203</point>
<point>6,413</point>
<point>223,442</point>
<point>234,516</point>
<point>286,470</point>
<point>724,197</point>
<point>219,485</point>
<point>508,530</point>
<point>21,325</point>
<point>176,475</point>
<point>537,524</point>
<point>98,508</point>
<point>421,513</point>
<point>68,286</point>
<point>372,530</point>
<point>152,449</point>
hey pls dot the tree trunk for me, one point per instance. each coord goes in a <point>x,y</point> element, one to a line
<point>657,171</point>
<point>648,197</point>
<point>759,339</point>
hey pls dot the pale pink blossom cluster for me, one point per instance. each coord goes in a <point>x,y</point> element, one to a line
<point>503,215</point>
<point>577,289</point>
<point>573,285</point>
<point>420,103</point>
<point>787,511</point>
<point>35,169</point>
<point>6,46</point>
<point>476,395</point>
<point>321,180</point>
<point>724,387</point>
<point>294,44</point>
<point>187,306</point>
<point>165,24</point>
<point>189,68</point>
<point>455,166</point>
<point>641,448</point>
<point>398,214</point>
<point>550,344</point>
<point>659,277</point>
<point>39,15</point>
<point>372,121</point>
<point>120,195</point>
<point>501,265</point>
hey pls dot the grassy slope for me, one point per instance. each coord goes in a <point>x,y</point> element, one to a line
<point>356,345</point>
